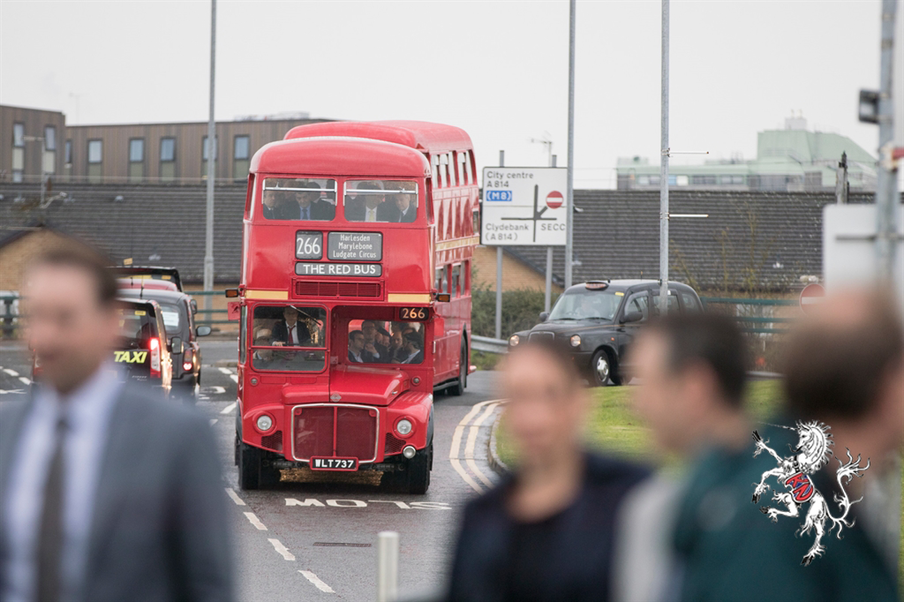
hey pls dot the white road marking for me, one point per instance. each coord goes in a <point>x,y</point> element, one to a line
<point>455,456</point>
<point>213,421</point>
<point>231,374</point>
<point>11,372</point>
<point>282,550</point>
<point>254,520</point>
<point>24,380</point>
<point>228,408</point>
<point>234,496</point>
<point>401,505</point>
<point>226,371</point>
<point>314,579</point>
<point>234,378</point>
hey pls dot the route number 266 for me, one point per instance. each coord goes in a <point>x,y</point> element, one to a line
<point>413,314</point>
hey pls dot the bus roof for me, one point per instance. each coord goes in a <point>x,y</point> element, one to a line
<point>333,156</point>
<point>420,135</point>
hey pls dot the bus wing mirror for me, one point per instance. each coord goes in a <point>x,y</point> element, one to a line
<point>232,292</point>
<point>202,331</point>
<point>544,316</point>
<point>443,297</point>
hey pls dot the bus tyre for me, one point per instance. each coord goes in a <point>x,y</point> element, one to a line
<point>254,471</point>
<point>458,387</point>
<point>418,472</point>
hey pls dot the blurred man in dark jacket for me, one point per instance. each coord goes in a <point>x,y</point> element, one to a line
<point>107,492</point>
<point>545,533</point>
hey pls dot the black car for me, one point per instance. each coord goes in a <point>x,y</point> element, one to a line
<point>177,310</point>
<point>596,322</point>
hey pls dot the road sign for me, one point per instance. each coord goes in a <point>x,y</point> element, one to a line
<point>812,295</point>
<point>523,206</point>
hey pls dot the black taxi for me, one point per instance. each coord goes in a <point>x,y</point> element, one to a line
<point>596,321</point>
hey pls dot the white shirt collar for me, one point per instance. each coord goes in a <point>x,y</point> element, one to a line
<point>95,394</point>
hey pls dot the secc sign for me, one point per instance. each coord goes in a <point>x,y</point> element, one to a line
<point>523,206</point>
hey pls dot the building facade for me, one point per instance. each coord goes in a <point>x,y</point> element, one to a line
<point>158,153</point>
<point>789,160</point>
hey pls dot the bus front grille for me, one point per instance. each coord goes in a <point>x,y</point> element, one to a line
<point>335,431</point>
<point>333,290</point>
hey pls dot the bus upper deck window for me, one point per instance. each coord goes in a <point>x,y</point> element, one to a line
<point>306,199</point>
<point>394,201</point>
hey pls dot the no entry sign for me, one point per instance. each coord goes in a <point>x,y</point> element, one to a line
<point>812,295</point>
<point>554,199</point>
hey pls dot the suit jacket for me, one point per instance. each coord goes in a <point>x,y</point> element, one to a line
<point>320,211</point>
<point>270,212</point>
<point>386,212</point>
<point>281,333</point>
<point>160,528</point>
<point>409,216</point>
<point>576,553</point>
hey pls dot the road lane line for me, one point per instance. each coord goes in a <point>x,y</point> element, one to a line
<point>476,470</point>
<point>11,372</point>
<point>254,520</point>
<point>456,464</point>
<point>228,408</point>
<point>469,456</point>
<point>456,441</point>
<point>234,496</point>
<point>314,579</point>
<point>282,550</point>
<point>490,409</point>
<point>24,380</point>
<point>226,371</point>
<point>213,421</point>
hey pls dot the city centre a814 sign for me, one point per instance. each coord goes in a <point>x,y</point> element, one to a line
<point>523,206</point>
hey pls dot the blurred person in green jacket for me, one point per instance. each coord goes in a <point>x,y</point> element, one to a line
<point>844,367</point>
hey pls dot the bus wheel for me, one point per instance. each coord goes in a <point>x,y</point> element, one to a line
<point>254,471</point>
<point>419,471</point>
<point>458,387</point>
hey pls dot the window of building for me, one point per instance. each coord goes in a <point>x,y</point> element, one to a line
<point>49,138</point>
<point>18,159</point>
<point>68,153</point>
<point>95,160</point>
<point>204,157</point>
<point>48,161</point>
<point>167,159</point>
<point>241,153</point>
<point>643,180</point>
<point>136,159</point>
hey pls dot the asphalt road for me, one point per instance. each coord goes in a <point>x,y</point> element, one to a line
<point>314,535</point>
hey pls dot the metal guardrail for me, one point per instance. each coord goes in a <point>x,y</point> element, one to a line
<point>488,345</point>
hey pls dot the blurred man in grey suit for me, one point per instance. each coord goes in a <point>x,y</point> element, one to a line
<point>107,492</point>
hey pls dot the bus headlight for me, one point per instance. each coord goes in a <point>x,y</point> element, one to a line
<point>403,426</point>
<point>576,340</point>
<point>264,423</point>
<point>514,340</point>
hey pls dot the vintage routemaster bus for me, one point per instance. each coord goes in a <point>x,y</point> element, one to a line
<point>354,298</point>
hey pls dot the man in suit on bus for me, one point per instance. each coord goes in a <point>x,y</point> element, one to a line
<point>406,211</point>
<point>289,331</point>
<point>356,352</point>
<point>373,207</point>
<point>413,351</point>
<point>308,206</point>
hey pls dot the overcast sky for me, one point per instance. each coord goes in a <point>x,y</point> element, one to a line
<point>497,69</point>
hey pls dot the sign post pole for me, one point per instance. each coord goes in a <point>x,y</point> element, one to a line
<point>664,169</point>
<point>569,200</point>
<point>547,298</point>
<point>498,267</point>
<point>886,195</point>
<point>211,164</point>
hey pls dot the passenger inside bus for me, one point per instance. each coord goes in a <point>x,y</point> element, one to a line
<point>405,201</point>
<point>290,325</point>
<point>309,206</point>
<point>370,342</point>
<point>369,204</point>
<point>289,331</point>
<point>299,199</point>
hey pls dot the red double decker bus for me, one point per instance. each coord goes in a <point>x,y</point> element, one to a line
<point>354,298</point>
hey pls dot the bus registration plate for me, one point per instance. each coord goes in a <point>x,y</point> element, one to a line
<point>334,464</point>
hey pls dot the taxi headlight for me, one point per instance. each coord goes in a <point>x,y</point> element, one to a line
<point>403,426</point>
<point>576,340</point>
<point>264,423</point>
<point>514,340</point>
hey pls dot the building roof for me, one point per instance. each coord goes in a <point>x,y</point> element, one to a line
<point>158,225</point>
<point>750,241</point>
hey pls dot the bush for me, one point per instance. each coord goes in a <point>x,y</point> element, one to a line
<point>520,311</point>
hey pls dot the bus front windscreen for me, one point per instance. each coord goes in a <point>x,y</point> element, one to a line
<point>304,199</point>
<point>289,338</point>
